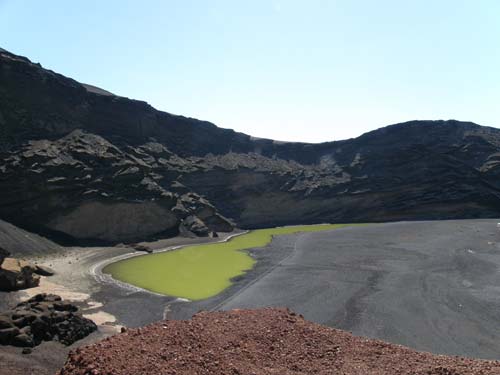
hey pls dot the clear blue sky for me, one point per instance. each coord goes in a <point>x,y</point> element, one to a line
<point>291,70</point>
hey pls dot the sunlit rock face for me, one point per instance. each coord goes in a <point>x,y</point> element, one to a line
<point>84,164</point>
<point>17,274</point>
<point>3,254</point>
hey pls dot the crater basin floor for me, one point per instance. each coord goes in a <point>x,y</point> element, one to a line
<point>433,286</point>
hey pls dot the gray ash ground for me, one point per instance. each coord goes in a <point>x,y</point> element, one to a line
<point>392,281</point>
<point>257,342</point>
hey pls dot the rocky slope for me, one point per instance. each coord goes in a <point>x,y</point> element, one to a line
<point>267,341</point>
<point>16,273</point>
<point>78,162</point>
<point>20,243</point>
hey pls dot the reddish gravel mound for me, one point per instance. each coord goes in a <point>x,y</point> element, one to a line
<point>266,341</point>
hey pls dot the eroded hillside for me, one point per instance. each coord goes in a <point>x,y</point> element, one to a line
<point>85,164</point>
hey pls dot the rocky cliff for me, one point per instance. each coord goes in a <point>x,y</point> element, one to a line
<point>81,163</point>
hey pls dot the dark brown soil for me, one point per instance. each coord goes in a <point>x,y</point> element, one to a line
<point>266,341</point>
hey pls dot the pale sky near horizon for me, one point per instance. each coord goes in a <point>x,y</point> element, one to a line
<point>289,70</point>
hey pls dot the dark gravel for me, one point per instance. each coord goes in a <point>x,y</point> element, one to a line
<point>393,282</point>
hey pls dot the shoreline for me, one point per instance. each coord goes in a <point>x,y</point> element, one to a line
<point>104,278</point>
<point>78,278</point>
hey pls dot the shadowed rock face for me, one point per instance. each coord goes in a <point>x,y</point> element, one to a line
<point>85,163</point>
<point>3,254</point>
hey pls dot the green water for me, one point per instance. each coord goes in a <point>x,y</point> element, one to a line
<point>199,271</point>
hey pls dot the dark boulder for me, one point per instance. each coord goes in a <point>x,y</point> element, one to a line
<point>17,274</point>
<point>74,328</point>
<point>44,270</point>
<point>139,247</point>
<point>23,340</point>
<point>44,317</point>
<point>7,334</point>
<point>192,225</point>
<point>27,351</point>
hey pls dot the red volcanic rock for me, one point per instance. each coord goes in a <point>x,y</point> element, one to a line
<point>266,341</point>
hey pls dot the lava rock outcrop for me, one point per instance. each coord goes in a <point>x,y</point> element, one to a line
<point>44,317</point>
<point>266,341</point>
<point>78,162</point>
<point>16,274</point>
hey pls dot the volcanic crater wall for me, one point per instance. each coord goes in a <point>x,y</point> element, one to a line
<point>84,164</point>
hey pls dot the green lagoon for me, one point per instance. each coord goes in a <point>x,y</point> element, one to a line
<point>199,271</point>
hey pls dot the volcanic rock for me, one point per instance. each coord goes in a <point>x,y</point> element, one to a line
<point>85,165</point>
<point>97,191</point>
<point>44,317</point>
<point>193,224</point>
<point>139,247</point>
<point>266,341</point>
<point>23,340</point>
<point>43,270</point>
<point>3,254</point>
<point>17,274</point>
